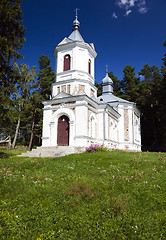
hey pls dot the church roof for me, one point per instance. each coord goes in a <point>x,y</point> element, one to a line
<point>107,94</point>
<point>111,98</point>
<point>76,36</point>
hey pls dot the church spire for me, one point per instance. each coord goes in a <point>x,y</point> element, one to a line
<point>76,23</point>
<point>75,35</point>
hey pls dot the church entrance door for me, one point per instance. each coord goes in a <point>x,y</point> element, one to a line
<point>63,131</point>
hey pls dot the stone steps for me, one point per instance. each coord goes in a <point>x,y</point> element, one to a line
<point>52,151</point>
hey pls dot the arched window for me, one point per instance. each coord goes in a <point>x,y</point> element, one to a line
<point>66,63</point>
<point>136,129</point>
<point>92,127</point>
<point>89,66</point>
<point>111,130</point>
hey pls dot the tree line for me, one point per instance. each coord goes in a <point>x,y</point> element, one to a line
<point>148,91</point>
<point>22,89</point>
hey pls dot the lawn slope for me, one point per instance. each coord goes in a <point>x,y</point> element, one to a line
<point>104,195</point>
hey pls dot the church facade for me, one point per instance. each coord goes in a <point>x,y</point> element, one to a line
<point>74,116</point>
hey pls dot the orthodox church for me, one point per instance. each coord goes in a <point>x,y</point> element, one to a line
<point>74,116</point>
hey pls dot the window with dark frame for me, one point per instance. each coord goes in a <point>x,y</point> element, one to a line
<point>66,64</point>
<point>89,66</point>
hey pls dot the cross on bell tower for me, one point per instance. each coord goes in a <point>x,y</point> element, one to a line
<point>76,10</point>
<point>76,23</point>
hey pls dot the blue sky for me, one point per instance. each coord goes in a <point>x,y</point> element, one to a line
<point>123,31</point>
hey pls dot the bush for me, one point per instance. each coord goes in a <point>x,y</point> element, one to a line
<point>96,148</point>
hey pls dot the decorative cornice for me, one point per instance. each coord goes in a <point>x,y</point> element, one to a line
<point>74,44</point>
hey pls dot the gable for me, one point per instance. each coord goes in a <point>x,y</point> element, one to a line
<point>62,95</point>
<point>64,41</point>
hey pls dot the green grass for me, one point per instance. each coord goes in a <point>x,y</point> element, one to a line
<point>107,195</point>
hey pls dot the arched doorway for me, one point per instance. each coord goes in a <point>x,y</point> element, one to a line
<point>63,131</point>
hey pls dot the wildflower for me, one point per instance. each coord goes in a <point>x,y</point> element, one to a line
<point>48,179</point>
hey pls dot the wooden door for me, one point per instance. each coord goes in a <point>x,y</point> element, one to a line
<point>63,131</point>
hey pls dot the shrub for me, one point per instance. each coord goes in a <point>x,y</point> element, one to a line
<point>96,148</point>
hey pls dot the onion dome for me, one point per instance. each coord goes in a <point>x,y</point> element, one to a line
<point>76,24</point>
<point>107,84</point>
<point>107,79</point>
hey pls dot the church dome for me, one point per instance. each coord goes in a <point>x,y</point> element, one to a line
<point>107,79</point>
<point>76,24</point>
<point>107,85</point>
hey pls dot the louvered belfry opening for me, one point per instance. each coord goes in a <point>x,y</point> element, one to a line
<point>63,131</point>
<point>66,65</point>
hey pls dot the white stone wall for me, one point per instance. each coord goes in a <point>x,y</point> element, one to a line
<point>46,127</point>
<point>126,129</point>
<point>80,56</point>
<point>83,134</point>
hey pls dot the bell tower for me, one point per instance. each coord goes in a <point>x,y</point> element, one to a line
<point>75,65</point>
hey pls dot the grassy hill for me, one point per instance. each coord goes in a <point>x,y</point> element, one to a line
<point>104,195</point>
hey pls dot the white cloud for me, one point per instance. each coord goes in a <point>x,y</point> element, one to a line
<point>128,12</point>
<point>132,3</point>
<point>114,15</point>
<point>128,4</point>
<point>142,10</point>
<point>142,7</point>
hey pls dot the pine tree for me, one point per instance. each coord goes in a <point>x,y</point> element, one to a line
<point>116,84</point>
<point>151,107</point>
<point>130,84</point>
<point>99,87</point>
<point>163,97</point>
<point>11,41</point>
<point>46,77</point>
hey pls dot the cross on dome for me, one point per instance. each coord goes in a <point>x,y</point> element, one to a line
<point>106,68</point>
<point>76,23</point>
<point>76,10</point>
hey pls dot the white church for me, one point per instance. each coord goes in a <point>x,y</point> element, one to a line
<point>74,116</point>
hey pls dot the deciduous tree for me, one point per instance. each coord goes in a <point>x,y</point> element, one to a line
<point>22,96</point>
<point>46,77</point>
